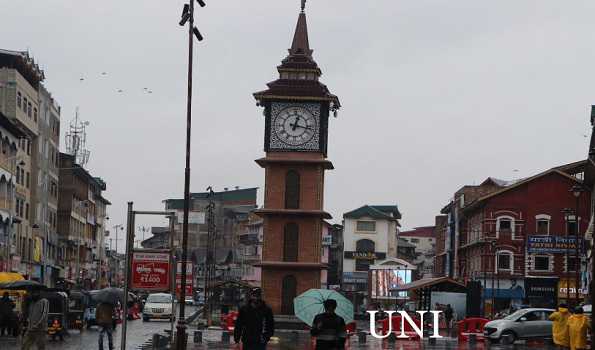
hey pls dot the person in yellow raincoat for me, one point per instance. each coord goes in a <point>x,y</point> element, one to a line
<point>560,326</point>
<point>578,324</point>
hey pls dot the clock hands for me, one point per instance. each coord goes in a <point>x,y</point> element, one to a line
<point>295,124</point>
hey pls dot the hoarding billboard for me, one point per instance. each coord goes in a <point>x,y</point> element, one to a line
<point>189,279</point>
<point>384,281</point>
<point>150,271</point>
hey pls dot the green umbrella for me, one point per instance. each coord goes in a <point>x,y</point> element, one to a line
<point>310,303</point>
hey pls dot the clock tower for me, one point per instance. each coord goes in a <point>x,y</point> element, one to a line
<point>296,109</point>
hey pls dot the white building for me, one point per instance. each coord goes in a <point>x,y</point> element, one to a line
<point>369,238</point>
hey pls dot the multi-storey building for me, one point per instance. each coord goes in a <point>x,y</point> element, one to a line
<point>424,241</point>
<point>251,250</point>
<point>517,238</point>
<point>9,138</point>
<point>45,200</point>
<point>369,238</point>
<point>81,218</point>
<point>21,79</point>
<point>335,256</point>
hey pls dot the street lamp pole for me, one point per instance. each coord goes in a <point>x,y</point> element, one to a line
<point>187,17</point>
<point>576,191</point>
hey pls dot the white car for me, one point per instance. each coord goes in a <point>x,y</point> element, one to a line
<point>159,305</point>
<point>189,300</point>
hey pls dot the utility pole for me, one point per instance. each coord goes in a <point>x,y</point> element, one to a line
<point>577,190</point>
<point>187,16</point>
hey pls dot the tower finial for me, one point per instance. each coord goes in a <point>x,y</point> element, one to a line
<point>303,5</point>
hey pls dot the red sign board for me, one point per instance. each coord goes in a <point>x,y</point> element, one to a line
<point>150,271</point>
<point>188,278</point>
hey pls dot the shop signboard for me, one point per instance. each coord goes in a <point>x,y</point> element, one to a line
<point>150,271</point>
<point>551,244</point>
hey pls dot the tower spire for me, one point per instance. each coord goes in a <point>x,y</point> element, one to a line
<point>300,44</point>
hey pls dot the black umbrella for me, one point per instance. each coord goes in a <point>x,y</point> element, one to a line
<point>22,285</point>
<point>110,295</point>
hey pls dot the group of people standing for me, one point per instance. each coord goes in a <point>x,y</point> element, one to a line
<point>570,329</point>
<point>255,325</point>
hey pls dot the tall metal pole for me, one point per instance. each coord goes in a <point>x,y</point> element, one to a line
<point>181,327</point>
<point>129,242</point>
<point>577,258</point>
<point>172,273</point>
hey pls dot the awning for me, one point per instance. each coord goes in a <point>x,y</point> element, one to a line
<point>438,283</point>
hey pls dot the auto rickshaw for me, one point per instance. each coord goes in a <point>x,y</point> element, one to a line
<point>58,313</point>
<point>78,301</point>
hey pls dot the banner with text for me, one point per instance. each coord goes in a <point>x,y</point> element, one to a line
<point>150,271</point>
<point>189,283</point>
<point>552,244</point>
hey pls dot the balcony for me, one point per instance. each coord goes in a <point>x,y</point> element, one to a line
<point>249,238</point>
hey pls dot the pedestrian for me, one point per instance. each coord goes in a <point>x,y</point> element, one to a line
<point>255,325</point>
<point>560,326</point>
<point>37,325</point>
<point>103,316</point>
<point>448,313</point>
<point>329,328</point>
<point>5,310</point>
<point>578,324</point>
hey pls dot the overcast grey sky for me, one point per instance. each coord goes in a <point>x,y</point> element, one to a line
<point>435,94</point>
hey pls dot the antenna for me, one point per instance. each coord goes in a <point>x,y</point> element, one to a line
<point>76,140</point>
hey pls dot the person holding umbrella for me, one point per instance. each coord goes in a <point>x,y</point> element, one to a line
<point>37,327</point>
<point>329,328</point>
<point>104,321</point>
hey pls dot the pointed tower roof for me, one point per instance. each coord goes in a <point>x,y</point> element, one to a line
<point>299,73</point>
<point>300,44</point>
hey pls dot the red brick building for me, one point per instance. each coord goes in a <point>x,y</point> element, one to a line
<point>296,108</point>
<point>510,237</point>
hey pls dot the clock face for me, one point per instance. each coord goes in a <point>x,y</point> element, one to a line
<point>294,127</point>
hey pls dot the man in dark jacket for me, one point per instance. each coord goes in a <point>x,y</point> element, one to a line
<point>255,324</point>
<point>329,328</point>
<point>104,315</point>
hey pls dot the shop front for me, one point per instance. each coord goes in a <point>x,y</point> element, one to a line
<point>503,295</point>
<point>567,291</point>
<point>541,291</point>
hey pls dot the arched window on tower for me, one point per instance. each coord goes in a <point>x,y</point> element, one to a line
<point>290,242</point>
<point>292,190</point>
<point>288,293</point>
<point>363,247</point>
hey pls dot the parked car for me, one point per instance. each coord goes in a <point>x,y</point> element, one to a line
<point>522,324</point>
<point>158,305</point>
<point>189,300</point>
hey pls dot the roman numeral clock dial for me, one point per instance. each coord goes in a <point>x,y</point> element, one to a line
<point>295,127</point>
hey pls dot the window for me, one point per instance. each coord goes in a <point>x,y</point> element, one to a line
<point>28,183</point>
<point>365,246</point>
<point>19,98</point>
<point>18,174</point>
<point>29,147</point>
<point>288,293</point>
<point>543,227</point>
<point>571,263</point>
<point>27,211</point>
<point>29,109</point>
<point>541,263</point>
<point>505,225</point>
<point>35,114</point>
<point>571,227</point>
<point>291,242</point>
<point>504,261</point>
<point>414,240</point>
<point>365,226</point>
<point>292,190</point>
<point>25,104</point>
<point>362,265</point>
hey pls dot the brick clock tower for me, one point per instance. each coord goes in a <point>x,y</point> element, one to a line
<point>296,110</point>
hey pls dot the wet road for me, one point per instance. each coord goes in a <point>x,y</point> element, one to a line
<point>138,333</point>
<point>301,341</point>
